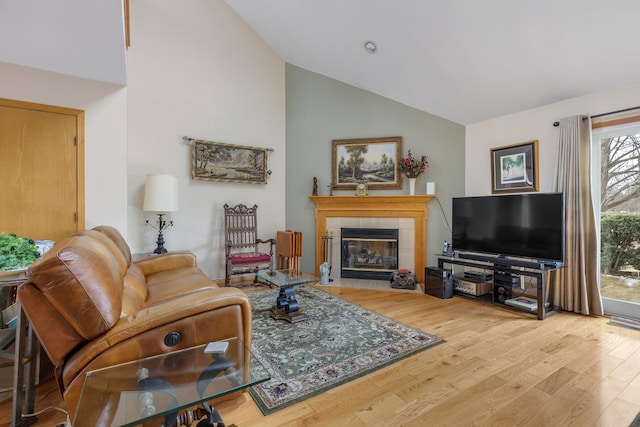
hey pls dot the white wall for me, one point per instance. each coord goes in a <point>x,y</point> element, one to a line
<point>534,124</point>
<point>196,69</point>
<point>105,132</point>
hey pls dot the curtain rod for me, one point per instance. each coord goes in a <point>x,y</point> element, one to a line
<point>556,124</point>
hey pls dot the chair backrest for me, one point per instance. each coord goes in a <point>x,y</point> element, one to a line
<point>241,227</point>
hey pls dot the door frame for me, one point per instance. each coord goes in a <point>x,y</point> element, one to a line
<point>79,115</point>
<point>611,306</point>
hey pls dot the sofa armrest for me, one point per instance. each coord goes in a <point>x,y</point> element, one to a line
<point>200,317</point>
<point>166,261</point>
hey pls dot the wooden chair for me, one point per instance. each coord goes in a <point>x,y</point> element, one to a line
<point>242,245</point>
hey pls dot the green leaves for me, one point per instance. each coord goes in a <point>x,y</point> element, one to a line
<point>16,252</point>
<point>619,240</point>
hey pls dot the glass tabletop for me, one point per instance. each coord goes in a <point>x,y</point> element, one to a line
<point>285,278</point>
<point>159,387</point>
<point>9,281</point>
<point>13,277</point>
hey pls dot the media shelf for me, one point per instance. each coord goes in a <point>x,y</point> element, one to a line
<point>501,270</point>
<point>485,297</point>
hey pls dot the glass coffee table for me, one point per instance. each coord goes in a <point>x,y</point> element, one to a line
<point>286,307</point>
<point>158,390</point>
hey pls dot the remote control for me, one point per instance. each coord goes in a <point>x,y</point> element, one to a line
<point>218,347</point>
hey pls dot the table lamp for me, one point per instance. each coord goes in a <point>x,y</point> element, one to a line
<point>160,196</point>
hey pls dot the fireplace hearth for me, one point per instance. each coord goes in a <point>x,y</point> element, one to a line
<point>368,253</point>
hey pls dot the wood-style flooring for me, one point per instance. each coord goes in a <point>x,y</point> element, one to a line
<point>497,368</point>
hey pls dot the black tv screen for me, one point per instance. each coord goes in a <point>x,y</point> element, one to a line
<point>527,225</point>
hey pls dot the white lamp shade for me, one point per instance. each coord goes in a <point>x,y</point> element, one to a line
<point>160,193</point>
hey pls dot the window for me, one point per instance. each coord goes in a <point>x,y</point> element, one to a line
<point>616,160</point>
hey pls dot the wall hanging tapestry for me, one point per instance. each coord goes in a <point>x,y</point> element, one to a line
<point>217,161</point>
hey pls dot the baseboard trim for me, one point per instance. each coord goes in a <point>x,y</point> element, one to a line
<point>625,322</point>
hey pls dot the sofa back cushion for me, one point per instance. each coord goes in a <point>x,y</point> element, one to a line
<point>82,280</point>
<point>109,244</point>
<point>135,291</point>
<point>113,234</point>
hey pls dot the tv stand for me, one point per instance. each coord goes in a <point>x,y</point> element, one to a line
<point>508,266</point>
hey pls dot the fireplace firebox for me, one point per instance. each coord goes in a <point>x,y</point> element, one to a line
<point>368,253</point>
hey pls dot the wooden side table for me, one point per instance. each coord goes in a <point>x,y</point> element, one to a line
<point>25,358</point>
<point>27,350</point>
<point>9,281</point>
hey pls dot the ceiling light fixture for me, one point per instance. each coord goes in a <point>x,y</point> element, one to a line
<point>370,46</point>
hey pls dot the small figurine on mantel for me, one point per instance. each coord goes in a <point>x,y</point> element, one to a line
<point>315,186</point>
<point>330,190</point>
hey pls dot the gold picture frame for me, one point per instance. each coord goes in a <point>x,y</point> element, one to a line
<point>514,168</point>
<point>374,161</point>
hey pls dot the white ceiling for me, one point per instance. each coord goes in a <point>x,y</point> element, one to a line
<point>463,60</point>
<point>75,37</point>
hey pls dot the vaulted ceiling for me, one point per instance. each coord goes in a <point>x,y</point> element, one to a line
<point>463,60</point>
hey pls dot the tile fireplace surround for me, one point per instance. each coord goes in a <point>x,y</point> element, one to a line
<point>406,213</point>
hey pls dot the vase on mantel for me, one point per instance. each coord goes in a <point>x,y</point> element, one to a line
<point>412,186</point>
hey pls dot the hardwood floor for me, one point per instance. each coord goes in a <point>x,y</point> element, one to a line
<point>497,368</point>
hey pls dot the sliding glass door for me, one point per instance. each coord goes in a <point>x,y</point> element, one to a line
<point>616,179</point>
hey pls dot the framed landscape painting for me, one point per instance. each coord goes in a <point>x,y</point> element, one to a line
<point>371,160</point>
<point>514,168</point>
<point>215,161</point>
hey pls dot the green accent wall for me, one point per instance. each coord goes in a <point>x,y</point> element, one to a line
<point>320,109</point>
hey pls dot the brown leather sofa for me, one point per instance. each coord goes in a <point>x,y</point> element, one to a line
<point>91,306</point>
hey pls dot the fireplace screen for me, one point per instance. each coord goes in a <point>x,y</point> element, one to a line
<point>368,253</point>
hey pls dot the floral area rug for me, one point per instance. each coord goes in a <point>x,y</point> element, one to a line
<point>338,342</point>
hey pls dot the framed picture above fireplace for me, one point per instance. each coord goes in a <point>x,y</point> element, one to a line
<point>370,160</point>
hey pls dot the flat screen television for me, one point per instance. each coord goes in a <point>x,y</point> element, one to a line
<point>529,225</point>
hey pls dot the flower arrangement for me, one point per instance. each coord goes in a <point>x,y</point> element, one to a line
<point>412,167</point>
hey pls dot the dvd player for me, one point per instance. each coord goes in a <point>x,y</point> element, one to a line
<point>506,279</point>
<point>479,276</point>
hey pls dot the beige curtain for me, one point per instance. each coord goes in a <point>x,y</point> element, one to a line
<point>575,287</point>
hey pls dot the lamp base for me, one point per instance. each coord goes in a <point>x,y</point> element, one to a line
<point>160,249</point>
<point>162,225</point>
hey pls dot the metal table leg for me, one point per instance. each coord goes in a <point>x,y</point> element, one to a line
<point>24,372</point>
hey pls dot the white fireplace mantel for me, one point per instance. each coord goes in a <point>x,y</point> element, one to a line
<point>375,207</point>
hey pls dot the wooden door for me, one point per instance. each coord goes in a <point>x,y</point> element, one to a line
<point>41,170</point>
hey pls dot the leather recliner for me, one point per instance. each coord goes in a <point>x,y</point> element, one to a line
<point>91,307</point>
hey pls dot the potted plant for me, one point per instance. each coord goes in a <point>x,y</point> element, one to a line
<point>16,253</point>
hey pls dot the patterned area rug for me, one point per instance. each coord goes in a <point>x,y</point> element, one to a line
<point>338,342</point>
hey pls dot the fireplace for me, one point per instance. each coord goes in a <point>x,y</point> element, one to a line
<point>406,213</point>
<point>368,253</point>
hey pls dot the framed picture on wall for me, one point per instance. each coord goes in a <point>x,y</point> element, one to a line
<point>373,161</point>
<point>514,168</point>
